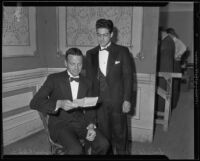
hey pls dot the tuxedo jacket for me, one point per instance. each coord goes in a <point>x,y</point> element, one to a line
<point>166,55</point>
<point>57,87</point>
<point>119,74</point>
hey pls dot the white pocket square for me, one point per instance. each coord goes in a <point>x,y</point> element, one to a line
<point>117,62</point>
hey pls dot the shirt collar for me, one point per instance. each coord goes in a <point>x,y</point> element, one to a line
<point>70,75</point>
<point>105,46</point>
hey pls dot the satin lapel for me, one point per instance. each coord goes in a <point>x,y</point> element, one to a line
<point>95,60</point>
<point>111,58</point>
<point>68,87</point>
<point>82,88</point>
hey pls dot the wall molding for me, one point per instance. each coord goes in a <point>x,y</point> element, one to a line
<point>178,7</point>
<point>23,75</point>
<point>145,78</point>
<point>43,72</point>
<point>14,102</point>
<point>16,50</point>
<point>54,70</point>
<point>135,30</point>
<point>23,124</point>
<point>12,121</point>
<point>20,126</point>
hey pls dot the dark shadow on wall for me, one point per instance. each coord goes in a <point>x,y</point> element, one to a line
<point>134,97</point>
<point>115,35</point>
<point>134,94</point>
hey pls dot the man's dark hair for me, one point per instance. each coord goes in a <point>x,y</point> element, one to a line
<point>172,31</point>
<point>103,23</point>
<point>162,29</point>
<point>73,51</point>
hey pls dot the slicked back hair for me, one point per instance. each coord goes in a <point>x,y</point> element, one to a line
<point>104,23</point>
<point>73,51</point>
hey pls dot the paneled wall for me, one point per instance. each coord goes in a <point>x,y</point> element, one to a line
<point>22,77</point>
<point>141,124</point>
<point>20,121</point>
<point>180,17</point>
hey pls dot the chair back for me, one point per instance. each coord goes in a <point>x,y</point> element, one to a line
<point>55,148</point>
<point>44,119</point>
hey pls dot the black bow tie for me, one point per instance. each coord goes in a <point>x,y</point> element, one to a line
<point>103,49</point>
<point>73,79</point>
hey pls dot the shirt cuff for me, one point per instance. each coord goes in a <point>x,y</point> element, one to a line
<point>57,105</point>
<point>91,126</point>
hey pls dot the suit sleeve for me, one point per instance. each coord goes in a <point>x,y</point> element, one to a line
<point>91,114</point>
<point>88,65</point>
<point>127,74</point>
<point>42,100</point>
<point>167,55</point>
<point>90,74</point>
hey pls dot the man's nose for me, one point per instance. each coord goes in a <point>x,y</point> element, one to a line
<point>76,67</point>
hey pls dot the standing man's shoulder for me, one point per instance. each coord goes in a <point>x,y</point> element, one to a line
<point>93,50</point>
<point>86,80</point>
<point>57,75</point>
<point>120,47</point>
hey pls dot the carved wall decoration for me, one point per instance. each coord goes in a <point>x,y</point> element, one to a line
<point>80,22</point>
<point>19,34</point>
<point>15,27</point>
<point>77,26</point>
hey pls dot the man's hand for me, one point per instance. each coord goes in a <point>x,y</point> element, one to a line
<point>126,106</point>
<point>178,58</point>
<point>66,105</point>
<point>91,133</point>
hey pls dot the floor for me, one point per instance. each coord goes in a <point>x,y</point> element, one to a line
<point>176,143</point>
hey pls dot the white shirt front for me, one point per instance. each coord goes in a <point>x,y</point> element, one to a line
<point>103,59</point>
<point>74,87</point>
<point>180,48</point>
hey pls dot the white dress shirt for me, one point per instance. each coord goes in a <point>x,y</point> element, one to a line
<point>180,48</point>
<point>103,59</point>
<point>74,87</point>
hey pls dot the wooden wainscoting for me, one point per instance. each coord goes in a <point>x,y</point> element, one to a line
<point>141,124</point>
<point>19,120</point>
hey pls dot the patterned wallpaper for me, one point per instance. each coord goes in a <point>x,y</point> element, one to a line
<point>16,26</point>
<point>80,24</point>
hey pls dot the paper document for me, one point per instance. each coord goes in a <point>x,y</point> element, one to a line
<point>86,102</point>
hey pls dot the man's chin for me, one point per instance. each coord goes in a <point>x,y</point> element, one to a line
<point>74,75</point>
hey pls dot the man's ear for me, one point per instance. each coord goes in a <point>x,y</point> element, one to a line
<point>65,63</point>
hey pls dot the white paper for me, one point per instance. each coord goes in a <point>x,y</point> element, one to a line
<point>86,101</point>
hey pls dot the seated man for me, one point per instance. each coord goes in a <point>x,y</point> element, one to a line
<point>68,123</point>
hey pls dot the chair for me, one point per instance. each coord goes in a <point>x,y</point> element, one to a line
<point>55,148</point>
<point>166,95</point>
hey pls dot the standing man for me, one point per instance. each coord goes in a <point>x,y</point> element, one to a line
<point>110,66</point>
<point>180,49</point>
<point>166,54</point>
<point>69,123</point>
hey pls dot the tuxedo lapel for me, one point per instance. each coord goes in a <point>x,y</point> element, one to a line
<point>82,88</point>
<point>111,58</point>
<point>66,86</point>
<point>95,60</point>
